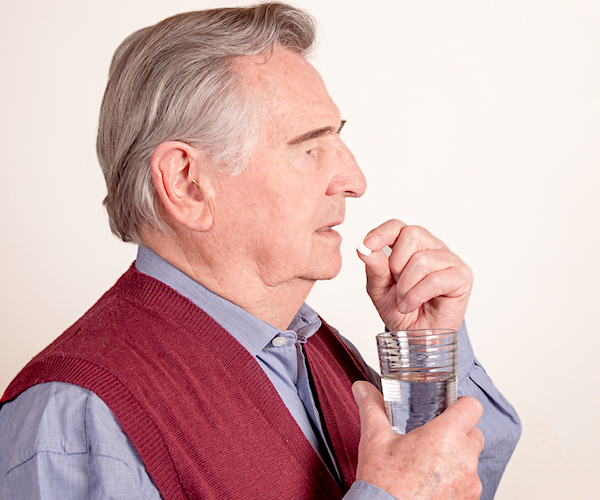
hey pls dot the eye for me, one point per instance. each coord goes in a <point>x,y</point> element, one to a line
<point>308,152</point>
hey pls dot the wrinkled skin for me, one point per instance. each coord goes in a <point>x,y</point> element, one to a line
<point>422,284</point>
<point>437,461</point>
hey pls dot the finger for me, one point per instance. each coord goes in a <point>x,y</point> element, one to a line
<point>452,283</point>
<point>411,240</point>
<point>477,438</point>
<point>371,407</point>
<point>464,414</point>
<point>379,277</point>
<point>420,265</point>
<point>384,235</point>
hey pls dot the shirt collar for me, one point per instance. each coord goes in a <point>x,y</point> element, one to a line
<point>251,332</point>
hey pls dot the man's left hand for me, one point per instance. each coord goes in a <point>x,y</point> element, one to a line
<point>421,285</point>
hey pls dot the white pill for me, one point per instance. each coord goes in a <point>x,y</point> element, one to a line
<point>363,249</point>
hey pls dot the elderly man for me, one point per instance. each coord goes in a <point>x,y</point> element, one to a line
<point>202,373</point>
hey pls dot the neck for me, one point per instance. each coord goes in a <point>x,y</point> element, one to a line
<point>243,285</point>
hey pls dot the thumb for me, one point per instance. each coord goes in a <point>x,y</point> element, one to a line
<point>371,407</point>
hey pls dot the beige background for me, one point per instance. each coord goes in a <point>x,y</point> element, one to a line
<point>479,120</point>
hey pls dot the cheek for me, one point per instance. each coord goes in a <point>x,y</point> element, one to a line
<point>285,208</point>
<point>291,233</point>
<point>298,207</point>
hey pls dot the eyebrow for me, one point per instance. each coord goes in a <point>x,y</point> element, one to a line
<point>313,134</point>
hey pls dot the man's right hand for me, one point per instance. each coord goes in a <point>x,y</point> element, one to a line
<point>437,461</point>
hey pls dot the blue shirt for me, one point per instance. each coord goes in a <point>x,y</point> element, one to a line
<point>61,441</point>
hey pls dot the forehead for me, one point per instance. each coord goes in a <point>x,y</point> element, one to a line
<point>292,92</point>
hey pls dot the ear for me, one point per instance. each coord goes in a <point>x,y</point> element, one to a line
<point>180,175</point>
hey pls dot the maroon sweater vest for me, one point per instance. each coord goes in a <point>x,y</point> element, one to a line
<point>202,414</point>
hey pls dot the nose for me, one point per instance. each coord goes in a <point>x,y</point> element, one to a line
<point>348,178</point>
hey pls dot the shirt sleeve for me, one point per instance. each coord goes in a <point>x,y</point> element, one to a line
<point>362,490</point>
<point>499,424</point>
<point>59,441</point>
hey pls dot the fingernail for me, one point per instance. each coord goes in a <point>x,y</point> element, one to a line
<point>360,391</point>
<point>363,249</point>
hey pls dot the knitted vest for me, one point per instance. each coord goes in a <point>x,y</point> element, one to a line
<point>202,414</point>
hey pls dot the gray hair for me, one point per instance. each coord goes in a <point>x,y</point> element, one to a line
<point>177,80</point>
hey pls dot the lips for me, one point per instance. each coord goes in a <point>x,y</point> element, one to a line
<point>330,226</point>
<point>328,230</point>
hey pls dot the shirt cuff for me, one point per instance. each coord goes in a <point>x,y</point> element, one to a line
<point>464,354</point>
<point>362,490</point>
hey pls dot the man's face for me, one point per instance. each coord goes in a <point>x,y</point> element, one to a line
<point>276,218</point>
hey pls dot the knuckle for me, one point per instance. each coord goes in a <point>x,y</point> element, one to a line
<point>470,276</point>
<point>476,489</point>
<point>393,225</point>
<point>466,271</point>
<point>422,259</point>
<point>396,222</point>
<point>479,436</point>
<point>477,406</point>
<point>473,409</point>
<point>411,234</point>
<point>436,280</point>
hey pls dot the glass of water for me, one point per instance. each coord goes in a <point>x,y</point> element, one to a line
<point>418,375</point>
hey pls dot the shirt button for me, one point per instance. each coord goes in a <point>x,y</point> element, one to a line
<point>279,341</point>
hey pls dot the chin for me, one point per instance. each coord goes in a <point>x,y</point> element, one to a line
<point>329,272</point>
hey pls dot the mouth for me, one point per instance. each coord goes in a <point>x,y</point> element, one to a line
<point>328,230</point>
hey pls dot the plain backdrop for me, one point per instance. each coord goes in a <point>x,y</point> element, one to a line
<point>479,120</point>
